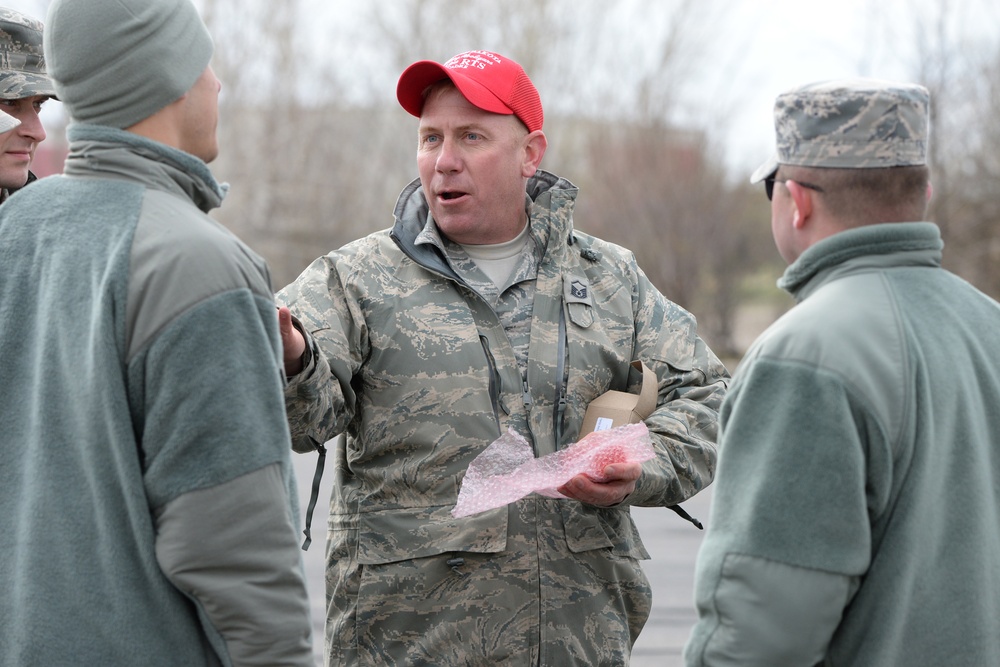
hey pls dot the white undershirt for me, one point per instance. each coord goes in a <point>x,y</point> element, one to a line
<point>498,260</point>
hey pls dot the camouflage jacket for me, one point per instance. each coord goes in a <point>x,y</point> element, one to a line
<point>417,368</point>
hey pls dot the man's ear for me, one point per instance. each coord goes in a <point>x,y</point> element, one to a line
<point>534,149</point>
<point>802,198</point>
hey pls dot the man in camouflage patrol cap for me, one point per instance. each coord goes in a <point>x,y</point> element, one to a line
<point>854,518</point>
<point>24,88</point>
<point>846,125</point>
<point>484,310</point>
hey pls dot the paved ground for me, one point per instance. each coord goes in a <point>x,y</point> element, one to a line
<point>672,542</point>
<point>673,545</point>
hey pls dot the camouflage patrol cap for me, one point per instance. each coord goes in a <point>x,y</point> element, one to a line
<point>22,63</point>
<point>850,124</point>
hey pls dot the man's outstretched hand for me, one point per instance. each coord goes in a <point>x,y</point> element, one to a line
<point>292,342</point>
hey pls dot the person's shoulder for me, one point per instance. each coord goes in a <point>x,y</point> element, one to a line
<point>598,251</point>
<point>373,252</point>
<point>181,256</point>
<point>377,241</point>
<point>598,244</point>
<point>846,325</point>
<point>40,190</point>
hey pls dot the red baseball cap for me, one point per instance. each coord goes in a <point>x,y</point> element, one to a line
<point>488,80</point>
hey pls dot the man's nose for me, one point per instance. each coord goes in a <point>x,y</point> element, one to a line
<point>31,126</point>
<point>448,158</point>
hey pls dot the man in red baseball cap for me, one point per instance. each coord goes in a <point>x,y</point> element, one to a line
<point>487,80</point>
<point>481,311</point>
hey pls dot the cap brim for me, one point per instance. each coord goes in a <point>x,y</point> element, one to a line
<point>18,85</point>
<point>7,122</point>
<point>415,79</point>
<point>765,170</point>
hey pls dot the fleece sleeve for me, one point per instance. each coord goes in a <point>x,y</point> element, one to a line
<point>789,533</point>
<point>767,613</point>
<point>217,475</point>
<point>232,549</point>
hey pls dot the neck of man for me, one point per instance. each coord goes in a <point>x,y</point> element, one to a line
<point>498,260</point>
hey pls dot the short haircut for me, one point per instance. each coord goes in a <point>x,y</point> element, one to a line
<point>867,196</point>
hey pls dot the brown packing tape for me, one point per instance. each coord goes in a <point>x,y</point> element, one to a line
<point>618,408</point>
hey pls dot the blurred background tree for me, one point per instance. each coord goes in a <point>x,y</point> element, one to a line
<point>641,100</point>
<point>962,72</point>
<point>315,168</point>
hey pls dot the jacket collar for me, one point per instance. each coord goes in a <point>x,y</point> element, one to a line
<point>110,152</point>
<point>863,248</point>
<point>550,213</point>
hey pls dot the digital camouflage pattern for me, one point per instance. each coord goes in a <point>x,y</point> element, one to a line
<point>22,63</point>
<point>850,124</point>
<point>423,362</point>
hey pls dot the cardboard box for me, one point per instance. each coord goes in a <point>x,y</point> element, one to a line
<point>618,408</point>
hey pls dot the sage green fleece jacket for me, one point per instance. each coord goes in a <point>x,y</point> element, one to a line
<point>146,515</point>
<point>856,509</point>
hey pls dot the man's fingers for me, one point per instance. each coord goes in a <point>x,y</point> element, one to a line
<point>291,340</point>
<point>625,472</point>
<point>285,321</point>
<point>608,493</point>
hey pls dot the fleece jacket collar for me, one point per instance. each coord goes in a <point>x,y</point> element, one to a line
<point>872,246</point>
<point>97,150</point>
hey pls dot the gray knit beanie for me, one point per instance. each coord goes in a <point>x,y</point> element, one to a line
<point>116,62</point>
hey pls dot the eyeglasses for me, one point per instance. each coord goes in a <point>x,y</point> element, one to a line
<point>771,180</point>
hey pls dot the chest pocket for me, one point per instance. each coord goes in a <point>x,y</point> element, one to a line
<point>577,297</point>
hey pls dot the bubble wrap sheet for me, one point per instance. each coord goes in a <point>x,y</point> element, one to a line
<point>507,469</point>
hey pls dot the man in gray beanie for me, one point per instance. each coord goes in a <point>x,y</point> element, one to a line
<point>149,513</point>
<point>24,88</point>
<point>854,517</point>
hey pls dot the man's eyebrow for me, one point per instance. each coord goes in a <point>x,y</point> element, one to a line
<point>473,127</point>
